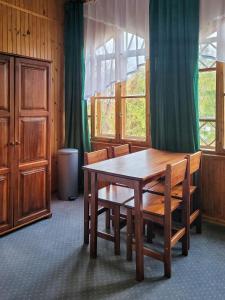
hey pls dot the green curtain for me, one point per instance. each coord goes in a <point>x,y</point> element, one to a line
<point>174,31</point>
<point>76,120</point>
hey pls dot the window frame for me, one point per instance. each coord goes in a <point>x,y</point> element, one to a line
<point>220,118</point>
<point>220,109</point>
<point>205,149</point>
<point>119,103</point>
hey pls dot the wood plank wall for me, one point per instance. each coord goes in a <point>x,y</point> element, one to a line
<point>213,188</point>
<point>34,28</point>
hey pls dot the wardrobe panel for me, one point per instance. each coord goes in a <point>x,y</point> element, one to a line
<point>4,84</point>
<point>33,139</point>
<point>34,92</point>
<point>32,193</point>
<point>6,141</point>
<point>5,208</point>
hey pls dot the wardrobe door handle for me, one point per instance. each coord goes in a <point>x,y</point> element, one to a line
<point>11,144</point>
<point>18,143</point>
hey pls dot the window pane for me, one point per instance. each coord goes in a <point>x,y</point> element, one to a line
<point>135,84</point>
<point>207,94</point>
<point>89,125</point>
<point>134,119</point>
<point>89,114</point>
<point>105,117</point>
<point>207,134</point>
<point>89,107</point>
<point>207,109</point>
<point>108,92</point>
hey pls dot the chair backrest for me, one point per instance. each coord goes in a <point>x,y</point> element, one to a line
<point>176,173</point>
<point>94,157</point>
<point>195,160</point>
<point>121,150</point>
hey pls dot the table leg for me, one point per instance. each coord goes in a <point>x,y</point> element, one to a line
<point>86,209</point>
<point>139,231</point>
<point>94,216</point>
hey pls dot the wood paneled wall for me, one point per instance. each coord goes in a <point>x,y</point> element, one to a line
<point>34,28</point>
<point>213,187</point>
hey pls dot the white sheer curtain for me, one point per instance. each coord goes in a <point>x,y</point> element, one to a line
<point>212,32</point>
<point>116,41</point>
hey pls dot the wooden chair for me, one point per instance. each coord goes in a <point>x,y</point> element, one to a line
<point>110,197</point>
<point>194,161</point>
<point>159,209</point>
<point>121,150</point>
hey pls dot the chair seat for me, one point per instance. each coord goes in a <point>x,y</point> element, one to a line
<point>116,194</point>
<point>154,204</point>
<point>176,191</point>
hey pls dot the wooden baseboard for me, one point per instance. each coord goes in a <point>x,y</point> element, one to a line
<point>45,216</point>
<point>214,220</point>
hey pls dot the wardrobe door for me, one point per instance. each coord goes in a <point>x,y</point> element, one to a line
<point>32,140</point>
<point>6,140</point>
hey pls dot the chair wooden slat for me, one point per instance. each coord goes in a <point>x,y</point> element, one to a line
<point>110,197</point>
<point>161,207</point>
<point>121,150</point>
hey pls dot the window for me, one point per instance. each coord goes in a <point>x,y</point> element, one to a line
<point>211,97</point>
<point>133,106</point>
<point>207,95</point>
<point>207,108</point>
<point>119,114</point>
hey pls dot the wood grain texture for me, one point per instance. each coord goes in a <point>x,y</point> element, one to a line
<point>212,178</point>
<point>213,187</point>
<point>6,139</point>
<point>35,29</point>
<point>143,166</point>
<point>32,133</point>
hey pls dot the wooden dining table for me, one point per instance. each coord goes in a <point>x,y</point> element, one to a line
<point>134,170</point>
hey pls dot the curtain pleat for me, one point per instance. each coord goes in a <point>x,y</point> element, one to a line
<point>76,122</point>
<point>174,32</point>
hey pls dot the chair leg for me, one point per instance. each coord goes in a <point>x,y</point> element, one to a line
<point>129,234</point>
<point>199,219</point>
<point>107,219</point>
<point>167,262</point>
<point>167,249</point>
<point>113,218</point>
<point>199,224</point>
<point>150,233</point>
<point>86,221</point>
<point>186,224</point>
<point>117,230</point>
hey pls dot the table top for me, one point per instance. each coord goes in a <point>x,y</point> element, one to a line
<point>141,165</point>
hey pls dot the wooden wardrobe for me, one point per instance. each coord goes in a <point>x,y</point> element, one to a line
<point>25,158</point>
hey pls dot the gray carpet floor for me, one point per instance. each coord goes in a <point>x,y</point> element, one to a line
<point>47,260</point>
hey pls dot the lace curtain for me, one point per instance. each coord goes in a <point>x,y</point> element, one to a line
<point>116,41</point>
<point>212,32</point>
